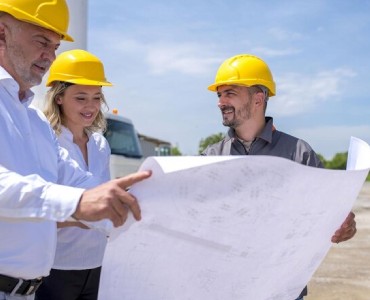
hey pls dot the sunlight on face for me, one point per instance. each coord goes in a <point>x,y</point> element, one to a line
<point>235,104</point>
<point>30,50</point>
<point>80,105</point>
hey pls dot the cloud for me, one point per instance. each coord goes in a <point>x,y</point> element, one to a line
<point>301,93</point>
<point>161,58</point>
<point>284,35</point>
<point>262,51</point>
<point>184,58</point>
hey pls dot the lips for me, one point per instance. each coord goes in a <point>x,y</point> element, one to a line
<point>42,66</point>
<point>227,109</point>
<point>87,116</point>
<point>39,69</point>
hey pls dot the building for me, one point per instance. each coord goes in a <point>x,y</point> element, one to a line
<point>154,147</point>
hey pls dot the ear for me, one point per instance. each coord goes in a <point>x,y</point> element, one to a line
<point>59,100</point>
<point>259,98</point>
<point>2,35</point>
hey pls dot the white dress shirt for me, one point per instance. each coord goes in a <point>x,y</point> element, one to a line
<point>77,248</point>
<point>32,165</point>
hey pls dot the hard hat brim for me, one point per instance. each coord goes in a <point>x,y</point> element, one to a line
<point>82,81</point>
<point>270,87</point>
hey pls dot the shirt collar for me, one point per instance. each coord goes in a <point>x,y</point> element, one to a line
<point>266,133</point>
<point>66,133</point>
<point>69,135</point>
<point>8,82</point>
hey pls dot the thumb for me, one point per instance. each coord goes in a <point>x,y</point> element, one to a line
<point>127,181</point>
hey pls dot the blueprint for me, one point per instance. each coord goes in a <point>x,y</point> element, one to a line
<point>229,227</point>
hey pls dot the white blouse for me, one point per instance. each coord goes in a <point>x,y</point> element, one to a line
<point>78,248</point>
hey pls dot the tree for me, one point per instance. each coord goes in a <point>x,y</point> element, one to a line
<point>339,161</point>
<point>175,151</point>
<point>212,139</point>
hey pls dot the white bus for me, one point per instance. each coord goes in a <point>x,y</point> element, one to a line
<point>126,154</point>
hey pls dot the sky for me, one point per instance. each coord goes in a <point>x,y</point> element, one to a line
<point>161,56</point>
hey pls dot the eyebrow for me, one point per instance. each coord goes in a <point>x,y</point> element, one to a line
<point>226,91</point>
<point>42,36</point>
<point>84,93</point>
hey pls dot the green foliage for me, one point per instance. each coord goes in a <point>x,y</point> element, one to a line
<point>338,162</point>
<point>212,139</point>
<point>175,151</point>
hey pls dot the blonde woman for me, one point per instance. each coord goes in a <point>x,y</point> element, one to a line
<point>74,108</point>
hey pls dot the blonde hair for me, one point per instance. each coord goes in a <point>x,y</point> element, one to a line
<point>54,114</point>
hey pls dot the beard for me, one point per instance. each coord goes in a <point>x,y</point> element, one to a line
<point>22,69</point>
<point>228,116</point>
<point>233,118</point>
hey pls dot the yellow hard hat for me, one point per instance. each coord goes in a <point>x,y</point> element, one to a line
<point>52,14</point>
<point>244,69</point>
<point>77,67</point>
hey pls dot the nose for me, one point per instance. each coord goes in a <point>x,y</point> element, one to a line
<point>221,100</point>
<point>52,55</point>
<point>49,53</point>
<point>92,103</point>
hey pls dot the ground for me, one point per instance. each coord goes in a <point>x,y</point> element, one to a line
<point>345,272</point>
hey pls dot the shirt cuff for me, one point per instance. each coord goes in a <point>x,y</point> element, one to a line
<point>60,202</point>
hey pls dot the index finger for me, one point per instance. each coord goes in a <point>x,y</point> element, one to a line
<point>349,220</point>
<point>127,181</point>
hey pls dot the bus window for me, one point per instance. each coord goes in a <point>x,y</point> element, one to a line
<point>122,139</point>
